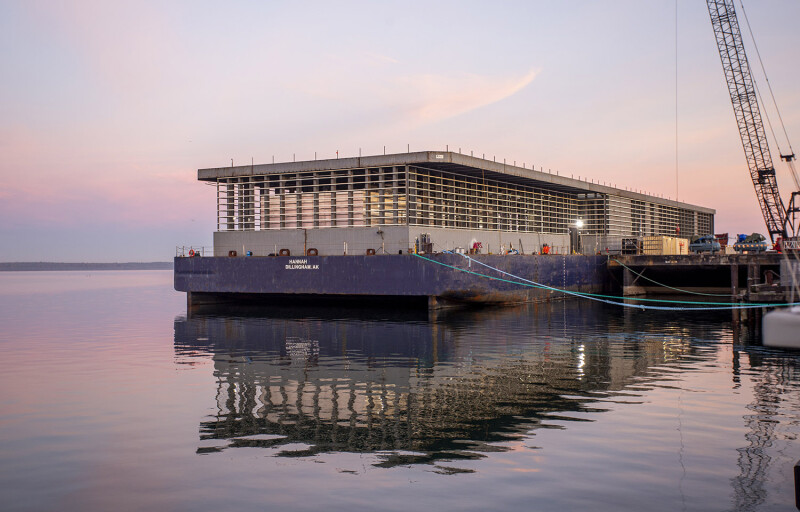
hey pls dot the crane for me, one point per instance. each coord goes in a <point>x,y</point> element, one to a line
<point>780,220</point>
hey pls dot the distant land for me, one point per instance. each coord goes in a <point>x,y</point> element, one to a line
<point>27,266</point>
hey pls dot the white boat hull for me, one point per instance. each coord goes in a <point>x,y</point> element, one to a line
<point>781,328</point>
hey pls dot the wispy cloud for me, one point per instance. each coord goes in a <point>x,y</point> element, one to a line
<point>436,97</point>
<point>408,98</point>
<point>383,59</point>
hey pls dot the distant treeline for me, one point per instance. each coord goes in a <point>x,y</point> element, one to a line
<point>21,266</point>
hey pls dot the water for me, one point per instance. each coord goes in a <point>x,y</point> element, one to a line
<point>114,399</point>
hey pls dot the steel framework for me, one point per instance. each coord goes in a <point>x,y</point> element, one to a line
<point>418,196</point>
<point>748,116</point>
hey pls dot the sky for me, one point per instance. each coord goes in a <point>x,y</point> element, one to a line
<point>107,109</point>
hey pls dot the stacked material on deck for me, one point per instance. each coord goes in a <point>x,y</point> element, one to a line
<point>664,245</point>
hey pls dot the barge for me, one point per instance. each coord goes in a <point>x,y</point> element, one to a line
<point>429,227</point>
<point>433,280</point>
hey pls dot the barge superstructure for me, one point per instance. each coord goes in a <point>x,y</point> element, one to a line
<point>394,225</point>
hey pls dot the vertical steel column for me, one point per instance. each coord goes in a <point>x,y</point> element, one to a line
<point>395,196</point>
<point>381,196</point>
<point>333,200</point>
<point>315,196</point>
<point>246,207</point>
<point>368,193</point>
<point>281,191</point>
<point>264,204</point>
<point>411,197</point>
<point>231,204</point>
<point>350,199</point>
<point>298,203</point>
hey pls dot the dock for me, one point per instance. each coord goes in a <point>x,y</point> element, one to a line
<point>753,277</point>
<point>764,278</point>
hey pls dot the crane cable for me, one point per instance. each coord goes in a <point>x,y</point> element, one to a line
<point>789,157</point>
<point>677,189</point>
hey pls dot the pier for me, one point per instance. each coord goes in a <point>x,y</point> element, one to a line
<point>752,277</point>
<point>765,278</point>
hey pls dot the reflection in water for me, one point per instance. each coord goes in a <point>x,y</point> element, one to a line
<point>770,389</point>
<point>419,391</point>
<point>565,406</point>
<point>413,389</point>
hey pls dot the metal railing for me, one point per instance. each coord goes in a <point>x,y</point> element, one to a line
<point>310,249</point>
<point>790,245</point>
<point>192,251</point>
<point>353,248</point>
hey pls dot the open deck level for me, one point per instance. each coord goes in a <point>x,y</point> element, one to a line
<point>766,277</point>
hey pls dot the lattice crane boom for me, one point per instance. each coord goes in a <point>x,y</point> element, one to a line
<point>744,99</point>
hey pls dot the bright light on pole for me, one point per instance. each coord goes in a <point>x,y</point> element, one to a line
<point>579,224</point>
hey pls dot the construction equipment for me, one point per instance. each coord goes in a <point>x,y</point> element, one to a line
<point>705,243</point>
<point>750,243</point>
<point>780,220</point>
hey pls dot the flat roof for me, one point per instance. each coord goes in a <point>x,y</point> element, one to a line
<point>444,161</point>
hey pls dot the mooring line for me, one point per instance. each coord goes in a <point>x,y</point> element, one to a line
<point>588,295</point>
<point>671,287</point>
<point>604,298</point>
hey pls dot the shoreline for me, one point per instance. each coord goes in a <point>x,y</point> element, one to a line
<point>23,266</point>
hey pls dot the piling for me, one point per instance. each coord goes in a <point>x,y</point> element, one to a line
<point>797,485</point>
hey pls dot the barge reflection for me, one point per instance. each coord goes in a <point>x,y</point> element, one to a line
<point>411,388</point>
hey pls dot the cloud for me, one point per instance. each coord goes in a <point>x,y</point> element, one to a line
<point>381,59</point>
<point>401,98</point>
<point>437,97</point>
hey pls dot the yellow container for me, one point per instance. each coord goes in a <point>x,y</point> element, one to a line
<point>664,245</point>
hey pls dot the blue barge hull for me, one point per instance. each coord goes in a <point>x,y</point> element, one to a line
<point>436,277</point>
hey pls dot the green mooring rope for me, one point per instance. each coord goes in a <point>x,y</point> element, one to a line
<point>605,298</point>
<point>673,288</point>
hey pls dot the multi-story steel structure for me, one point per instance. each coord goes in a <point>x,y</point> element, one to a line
<point>391,203</point>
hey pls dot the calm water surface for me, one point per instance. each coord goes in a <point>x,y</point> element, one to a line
<point>114,398</point>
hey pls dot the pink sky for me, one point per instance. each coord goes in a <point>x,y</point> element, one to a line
<point>108,109</point>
